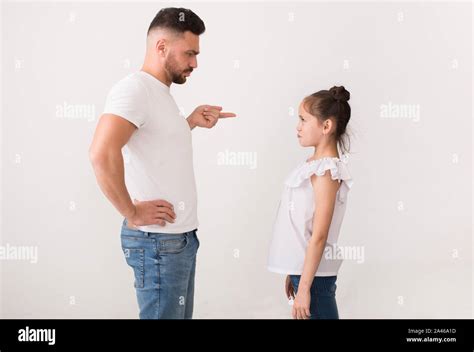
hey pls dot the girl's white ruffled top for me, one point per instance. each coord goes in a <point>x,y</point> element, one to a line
<point>294,221</point>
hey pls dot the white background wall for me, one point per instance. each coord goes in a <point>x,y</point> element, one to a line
<point>410,208</point>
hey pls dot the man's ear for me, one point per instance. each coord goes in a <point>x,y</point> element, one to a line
<point>160,47</point>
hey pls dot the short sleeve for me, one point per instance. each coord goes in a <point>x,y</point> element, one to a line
<point>337,168</point>
<point>129,100</point>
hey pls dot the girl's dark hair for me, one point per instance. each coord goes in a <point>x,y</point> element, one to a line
<point>179,20</point>
<point>332,103</point>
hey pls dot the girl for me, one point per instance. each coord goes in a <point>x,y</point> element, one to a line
<point>312,208</point>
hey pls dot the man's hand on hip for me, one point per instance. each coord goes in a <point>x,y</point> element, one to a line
<point>152,212</point>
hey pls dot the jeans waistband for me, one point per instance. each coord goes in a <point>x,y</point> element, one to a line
<point>124,224</point>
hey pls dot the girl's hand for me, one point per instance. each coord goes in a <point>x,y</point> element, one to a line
<point>301,306</point>
<point>289,289</point>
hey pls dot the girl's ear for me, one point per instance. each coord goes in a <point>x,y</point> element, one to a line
<point>327,124</point>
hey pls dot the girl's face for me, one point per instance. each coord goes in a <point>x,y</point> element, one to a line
<point>310,130</point>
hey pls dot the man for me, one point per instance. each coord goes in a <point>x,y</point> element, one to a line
<point>159,227</point>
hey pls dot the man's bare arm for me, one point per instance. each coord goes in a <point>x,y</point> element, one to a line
<point>105,153</point>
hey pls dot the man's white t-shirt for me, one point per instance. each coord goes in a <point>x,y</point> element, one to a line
<point>159,156</point>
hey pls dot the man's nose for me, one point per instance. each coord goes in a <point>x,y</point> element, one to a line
<point>194,63</point>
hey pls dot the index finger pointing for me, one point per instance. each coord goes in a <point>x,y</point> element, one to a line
<point>226,114</point>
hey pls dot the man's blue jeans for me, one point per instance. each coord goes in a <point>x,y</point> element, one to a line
<point>164,266</point>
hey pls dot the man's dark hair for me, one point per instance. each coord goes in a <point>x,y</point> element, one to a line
<point>178,20</point>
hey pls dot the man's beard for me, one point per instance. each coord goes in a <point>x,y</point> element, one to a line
<point>173,70</point>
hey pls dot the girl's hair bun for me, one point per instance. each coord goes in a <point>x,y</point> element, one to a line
<point>340,93</point>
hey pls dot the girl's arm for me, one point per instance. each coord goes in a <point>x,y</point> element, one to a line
<point>325,189</point>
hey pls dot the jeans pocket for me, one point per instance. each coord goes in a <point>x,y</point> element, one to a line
<point>197,240</point>
<point>135,258</point>
<point>174,245</point>
<point>125,226</point>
